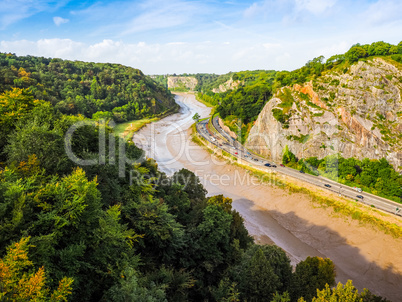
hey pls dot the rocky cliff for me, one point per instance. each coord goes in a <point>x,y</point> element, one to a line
<point>356,112</point>
<point>182,83</point>
<point>228,85</point>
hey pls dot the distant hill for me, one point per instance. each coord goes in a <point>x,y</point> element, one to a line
<point>76,87</point>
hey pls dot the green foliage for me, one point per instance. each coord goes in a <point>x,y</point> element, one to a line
<point>375,176</point>
<point>130,288</point>
<point>18,285</point>
<point>245,102</point>
<point>355,53</point>
<point>196,117</point>
<point>281,117</point>
<point>301,139</point>
<point>345,293</point>
<point>311,275</point>
<point>219,200</point>
<point>288,156</point>
<point>262,271</point>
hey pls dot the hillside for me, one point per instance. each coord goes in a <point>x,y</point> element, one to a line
<point>357,113</point>
<point>75,87</point>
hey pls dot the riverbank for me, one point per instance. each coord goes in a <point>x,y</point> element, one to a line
<point>291,220</point>
<point>127,129</point>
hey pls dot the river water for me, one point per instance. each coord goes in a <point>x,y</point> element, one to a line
<point>272,215</point>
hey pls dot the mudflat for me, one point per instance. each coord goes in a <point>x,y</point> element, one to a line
<point>272,215</point>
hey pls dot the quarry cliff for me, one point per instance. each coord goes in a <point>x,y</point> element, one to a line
<point>182,83</point>
<point>356,112</point>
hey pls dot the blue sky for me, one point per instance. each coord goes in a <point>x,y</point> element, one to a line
<point>177,36</point>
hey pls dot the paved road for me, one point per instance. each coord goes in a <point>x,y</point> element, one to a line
<point>224,141</point>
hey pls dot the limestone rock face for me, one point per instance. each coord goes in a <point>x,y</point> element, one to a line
<point>228,85</point>
<point>182,82</point>
<point>357,113</point>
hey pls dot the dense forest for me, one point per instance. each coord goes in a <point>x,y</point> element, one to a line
<point>119,229</point>
<point>240,107</point>
<point>92,89</point>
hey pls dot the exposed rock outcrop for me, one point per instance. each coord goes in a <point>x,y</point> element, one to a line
<point>357,113</point>
<point>182,82</point>
<point>228,85</point>
<point>227,129</point>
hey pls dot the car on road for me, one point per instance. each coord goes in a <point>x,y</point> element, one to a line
<point>235,152</point>
<point>255,159</point>
<point>273,166</point>
<point>282,165</point>
<point>267,165</point>
<point>359,196</point>
<point>301,171</point>
<point>327,185</point>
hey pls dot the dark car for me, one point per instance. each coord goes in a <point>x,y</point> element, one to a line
<point>267,165</point>
<point>282,165</point>
<point>327,185</point>
<point>301,171</point>
<point>255,159</point>
<point>359,196</point>
<point>273,166</point>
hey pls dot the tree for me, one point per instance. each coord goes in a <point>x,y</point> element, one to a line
<point>130,288</point>
<point>224,202</point>
<point>288,156</point>
<point>196,117</point>
<point>379,48</point>
<point>47,144</point>
<point>192,185</point>
<point>355,53</point>
<point>260,280</point>
<point>14,106</point>
<point>17,284</point>
<point>268,264</point>
<point>281,298</point>
<point>312,274</point>
<point>344,293</point>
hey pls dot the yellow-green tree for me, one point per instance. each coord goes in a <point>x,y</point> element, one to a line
<point>18,283</point>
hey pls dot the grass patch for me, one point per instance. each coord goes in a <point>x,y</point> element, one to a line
<point>127,129</point>
<point>204,102</point>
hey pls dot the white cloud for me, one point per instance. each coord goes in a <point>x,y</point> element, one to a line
<point>153,58</point>
<point>383,11</point>
<point>56,48</point>
<point>314,6</point>
<point>288,9</point>
<point>59,20</point>
<point>252,10</point>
